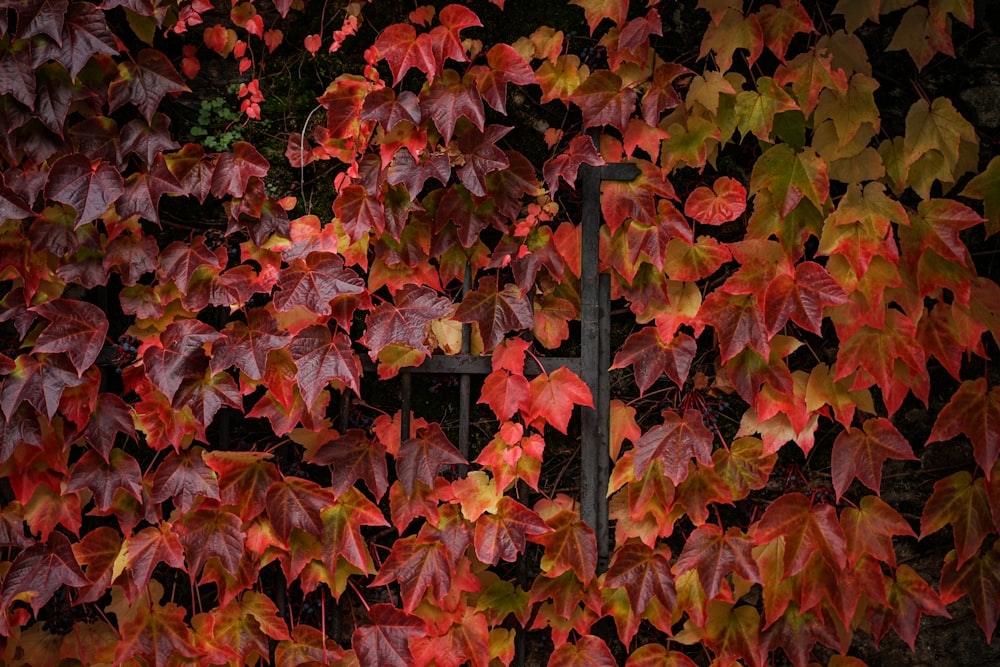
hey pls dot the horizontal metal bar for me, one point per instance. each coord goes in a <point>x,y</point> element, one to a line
<point>457,364</point>
<point>618,171</point>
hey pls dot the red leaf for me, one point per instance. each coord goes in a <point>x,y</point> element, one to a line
<point>247,345</point>
<point>105,477</point>
<point>320,358</point>
<point>554,395</point>
<point>76,328</point>
<point>713,555</point>
<point>962,502</point>
<point>315,282</point>
<point>45,17</point>
<point>421,458</point>
<point>726,201</point>
<point>244,478</point>
<point>179,261</point>
<point>603,100</point>
<point>974,411</point>
<point>386,108</point>
<point>184,478</point>
<point>589,651</point>
<point>481,157</point>
<point>89,187</point>
<point>296,503</point>
<point>497,312</point>
<point>39,571</point>
<point>644,574</point>
<point>650,357</point>
<point>807,530</point>
<point>386,642</point>
<point>675,442</point>
<point>156,634</point>
<point>145,82</point>
<point>400,46</point>
<point>505,66</point>
<point>181,355</point>
<point>133,256</point>
<point>979,578</point>
<point>211,534</point>
<point>419,567</point>
<point>40,383</point>
<point>236,167</point>
<point>147,549</point>
<point>860,454</point>
<point>85,34</point>
<point>571,545</point>
<point>500,535</point>
<point>869,529</point>
<point>909,598</point>
<point>566,164</point>
<point>110,417</point>
<point>352,456</point>
<point>404,322</point>
<point>738,321</point>
<point>598,10</point>
<point>342,524</point>
<point>450,97</point>
<point>801,297</point>
<point>505,393</point>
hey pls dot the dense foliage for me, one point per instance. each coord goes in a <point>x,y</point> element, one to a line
<point>196,469</point>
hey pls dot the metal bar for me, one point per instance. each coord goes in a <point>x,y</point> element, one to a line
<point>464,382</point>
<point>589,182</point>
<point>602,402</point>
<point>457,364</point>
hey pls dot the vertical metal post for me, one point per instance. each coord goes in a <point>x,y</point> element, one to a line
<point>602,402</point>
<point>464,387</point>
<point>589,181</point>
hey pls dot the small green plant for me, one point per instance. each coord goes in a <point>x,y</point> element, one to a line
<point>217,126</point>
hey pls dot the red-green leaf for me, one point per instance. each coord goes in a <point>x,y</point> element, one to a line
<point>808,529</point>
<point>962,502</point>
<point>974,411</point>
<point>500,535</point>
<point>860,454</point>
<point>145,82</point>
<point>674,443</point>
<point>909,598</point>
<point>713,555</point>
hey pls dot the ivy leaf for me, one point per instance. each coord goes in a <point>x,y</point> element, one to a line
<point>809,74</point>
<point>791,177</point>
<point>733,31</point>
<point>132,255</point>
<point>598,10</point>
<point>246,345</point>
<point>386,641</point>
<point>808,529</point>
<point>142,552</point>
<point>481,157</point>
<point>974,411</point>
<point>726,201</point>
<point>877,351</point>
<point>181,354</point>
<point>76,328</point>
<point>644,573</point>
<point>962,502</point>
<point>315,282</point>
<point>801,297</point>
<point>738,321</point>
<point>939,127</point>
<point>500,534</point>
<point>352,456</point>
<point>98,550</point>
<point>89,187</point>
<point>581,150</point>
<point>604,101</point>
<point>570,545</point>
<point>419,567</point>
<point>553,396</point>
<point>297,503</point>
<point>937,227</point>
<point>145,82</point>
<point>984,186</point>
<point>44,17</point>
<point>674,442</point>
<point>179,261</point>
<point>211,534</point>
<point>235,168</point>
<point>909,598</point>
<point>588,651</point>
<point>450,97</point>
<point>713,555</point>
<point>387,108</point>
<point>39,571</point>
<point>869,529</point>
<point>184,478</point>
<point>979,578</point>
<point>104,477</point>
<point>505,65</point>
<point>421,458</point>
<point>243,479</point>
<point>320,357</point>
<point>40,383</point>
<point>405,320</point>
<point>342,524</point>
<point>496,311</point>
<point>157,633</point>
<point>110,417</point>
<point>400,46</point>
<point>506,393</point>
<point>860,454</point>
<point>781,24</point>
<point>650,357</point>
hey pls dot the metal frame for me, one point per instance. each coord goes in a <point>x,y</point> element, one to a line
<point>591,366</point>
